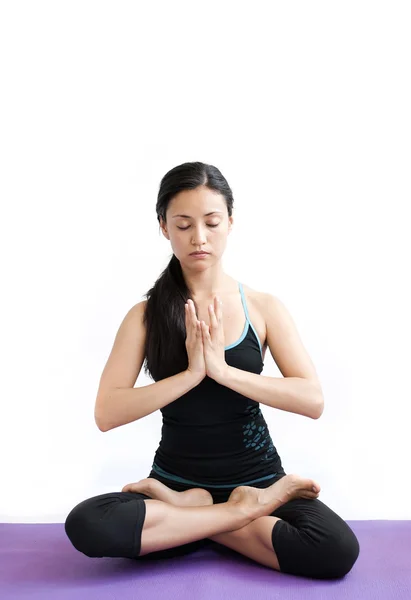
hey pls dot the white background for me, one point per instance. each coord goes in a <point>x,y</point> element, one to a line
<point>305,108</point>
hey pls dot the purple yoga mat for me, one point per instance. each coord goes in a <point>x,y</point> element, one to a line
<point>38,562</point>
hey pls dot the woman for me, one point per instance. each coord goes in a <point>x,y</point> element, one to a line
<point>216,474</point>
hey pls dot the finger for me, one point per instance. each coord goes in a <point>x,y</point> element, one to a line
<point>195,318</point>
<point>192,313</point>
<point>187,315</point>
<point>199,333</point>
<point>190,325</point>
<point>219,310</point>
<point>206,330</point>
<point>194,310</point>
<point>213,316</point>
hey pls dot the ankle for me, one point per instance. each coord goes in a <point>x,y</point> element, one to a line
<point>244,512</point>
<point>150,486</point>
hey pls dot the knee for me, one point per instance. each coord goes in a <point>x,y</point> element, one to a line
<point>339,554</point>
<point>82,531</point>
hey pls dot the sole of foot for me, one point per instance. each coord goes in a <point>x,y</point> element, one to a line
<point>264,501</point>
<point>158,491</point>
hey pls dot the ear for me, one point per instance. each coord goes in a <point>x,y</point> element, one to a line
<point>230,223</point>
<point>163,226</point>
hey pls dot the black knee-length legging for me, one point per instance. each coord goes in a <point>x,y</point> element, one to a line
<point>311,540</point>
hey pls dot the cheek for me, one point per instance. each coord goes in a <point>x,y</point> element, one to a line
<point>221,238</point>
<point>179,244</point>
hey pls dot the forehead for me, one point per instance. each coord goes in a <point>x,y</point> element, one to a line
<point>196,203</point>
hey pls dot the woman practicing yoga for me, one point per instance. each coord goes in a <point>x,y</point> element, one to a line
<point>216,474</point>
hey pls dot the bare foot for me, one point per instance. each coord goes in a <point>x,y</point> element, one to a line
<point>158,491</point>
<point>260,502</point>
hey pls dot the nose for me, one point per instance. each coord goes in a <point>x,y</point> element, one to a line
<point>199,236</point>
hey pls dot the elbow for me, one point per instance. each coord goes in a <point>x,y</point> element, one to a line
<point>103,428</point>
<point>318,408</point>
<point>100,414</point>
<point>317,414</point>
<point>101,424</point>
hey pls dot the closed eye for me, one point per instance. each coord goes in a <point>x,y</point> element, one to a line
<point>184,228</point>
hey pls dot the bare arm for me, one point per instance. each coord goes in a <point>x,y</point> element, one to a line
<point>292,394</point>
<point>118,402</point>
<point>299,391</point>
<point>124,405</point>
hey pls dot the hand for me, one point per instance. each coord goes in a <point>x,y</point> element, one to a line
<point>194,342</point>
<point>213,342</point>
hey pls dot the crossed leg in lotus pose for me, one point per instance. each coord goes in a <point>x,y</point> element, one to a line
<point>254,539</point>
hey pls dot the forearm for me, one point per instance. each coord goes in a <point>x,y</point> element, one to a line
<point>124,405</point>
<point>292,394</point>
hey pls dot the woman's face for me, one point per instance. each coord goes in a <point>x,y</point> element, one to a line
<point>197,220</point>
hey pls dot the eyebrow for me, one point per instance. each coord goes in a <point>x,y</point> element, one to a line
<point>206,215</point>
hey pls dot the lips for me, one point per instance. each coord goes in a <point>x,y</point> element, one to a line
<point>195,253</point>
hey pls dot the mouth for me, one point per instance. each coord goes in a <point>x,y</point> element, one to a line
<point>198,253</point>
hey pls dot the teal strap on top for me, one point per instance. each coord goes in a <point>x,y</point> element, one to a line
<point>247,315</point>
<point>247,321</point>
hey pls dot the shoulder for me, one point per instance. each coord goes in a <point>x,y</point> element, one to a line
<point>271,308</point>
<point>264,302</point>
<point>272,312</point>
<point>137,311</point>
<point>139,308</point>
<point>283,338</point>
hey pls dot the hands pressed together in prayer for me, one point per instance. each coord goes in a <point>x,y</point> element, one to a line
<point>205,343</point>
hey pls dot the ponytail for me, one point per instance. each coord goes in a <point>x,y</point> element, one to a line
<point>164,318</point>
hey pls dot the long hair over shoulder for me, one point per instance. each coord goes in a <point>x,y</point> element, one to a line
<point>164,317</point>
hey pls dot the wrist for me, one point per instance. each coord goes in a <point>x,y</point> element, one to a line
<point>223,374</point>
<point>193,376</point>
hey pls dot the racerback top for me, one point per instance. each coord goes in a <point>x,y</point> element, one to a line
<point>213,436</point>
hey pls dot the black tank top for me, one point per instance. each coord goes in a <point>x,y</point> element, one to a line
<point>213,436</point>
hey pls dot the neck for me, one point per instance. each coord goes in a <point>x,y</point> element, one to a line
<point>208,283</point>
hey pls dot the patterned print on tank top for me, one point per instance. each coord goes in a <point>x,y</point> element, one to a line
<point>257,436</point>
